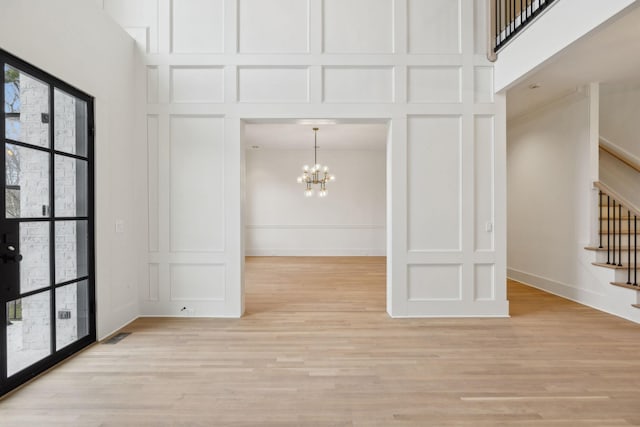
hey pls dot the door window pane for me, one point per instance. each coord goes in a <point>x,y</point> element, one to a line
<point>34,248</point>
<point>72,313</point>
<point>71,124</point>
<point>26,108</point>
<point>29,331</point>
<point>27,181</point>
<point>70,186</point>
<point>71,250</point>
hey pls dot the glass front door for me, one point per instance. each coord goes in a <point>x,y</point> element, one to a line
<point>47,292</point>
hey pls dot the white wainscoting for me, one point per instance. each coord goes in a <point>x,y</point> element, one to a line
<point>418,65</point>
<point>286,32</point>
<point>434,26</point>
<point>358,26</point>
<point>434,174</point>
<point>273,84</point>
<point>197,26</point>
<point>197,184</point>
<point>316,240</point>
<point>358,84</point>
<point>197,84</point>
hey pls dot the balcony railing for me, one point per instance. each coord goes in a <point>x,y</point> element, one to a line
<point>509,17</point>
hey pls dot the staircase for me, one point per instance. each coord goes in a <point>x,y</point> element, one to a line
<point>618,239</point>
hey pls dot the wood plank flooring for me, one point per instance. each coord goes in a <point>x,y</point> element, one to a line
<point>317,349</point>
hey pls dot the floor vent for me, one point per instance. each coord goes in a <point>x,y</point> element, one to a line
<point>117,338</point>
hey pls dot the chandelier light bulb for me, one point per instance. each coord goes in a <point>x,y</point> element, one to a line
<point>308,193</point>
<point>305,168</point>
<point>332,177</point>
<point>317,167</point>
<point>299,180</point>
<point>323,193</point>
<point>326,169</point>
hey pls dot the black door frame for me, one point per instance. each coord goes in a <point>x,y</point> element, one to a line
<point>8,384</point>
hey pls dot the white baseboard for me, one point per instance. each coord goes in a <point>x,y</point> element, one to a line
<point>581,296</point>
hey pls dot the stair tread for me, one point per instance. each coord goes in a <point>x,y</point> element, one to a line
<point>613,266</point>
<point>635,305</point>
<point>605,248</point>
<point>625,285</point>
<point>617,232</point>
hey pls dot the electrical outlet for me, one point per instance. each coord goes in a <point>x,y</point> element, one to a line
<point>188,311</point>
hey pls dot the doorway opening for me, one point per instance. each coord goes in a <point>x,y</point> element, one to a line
<point>306,252</point>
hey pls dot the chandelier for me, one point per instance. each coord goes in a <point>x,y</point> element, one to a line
<point>316,174</point>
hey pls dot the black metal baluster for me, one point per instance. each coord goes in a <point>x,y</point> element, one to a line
<point>608,230</point>
<point>619,235</point>
<point>506,14</point>
<point>507,22</point>
<point>629,247</point>
<point>635,249</point>
<point>498,23</point>
<point>614,232</point>
<point>512,19</point>
<point>600,219</point>
<point>523,11</point>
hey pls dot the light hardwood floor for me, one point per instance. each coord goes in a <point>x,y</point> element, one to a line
<point>317,349</point>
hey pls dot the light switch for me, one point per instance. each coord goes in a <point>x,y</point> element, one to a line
<point>120,226</point>
<point>488,227</point>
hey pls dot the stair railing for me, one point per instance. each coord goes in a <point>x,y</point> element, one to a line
<point>616,207</point>
<point>509,17</point>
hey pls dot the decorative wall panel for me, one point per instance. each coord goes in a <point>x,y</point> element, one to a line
<point>197,165</point>
<point>434,183</point>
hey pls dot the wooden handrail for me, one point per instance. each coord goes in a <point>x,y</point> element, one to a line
<point>617,197</point>
<point>611,149</point>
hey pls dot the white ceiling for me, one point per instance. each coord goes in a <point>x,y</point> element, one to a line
<point>610,54</point>
<point>332,135</point>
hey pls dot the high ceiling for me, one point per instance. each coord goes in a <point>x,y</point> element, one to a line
<point>610,54</point>
<point>332,135</point>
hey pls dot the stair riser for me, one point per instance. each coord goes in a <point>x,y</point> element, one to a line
<point>601,257</point>
<point>602,210</point>
<point>624,226</point>
<point>621,276</point>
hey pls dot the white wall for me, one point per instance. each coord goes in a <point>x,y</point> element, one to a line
<point>620,127</point>
<point>562,24</point>
<point>552,207</point>
<point>619,124</point>
<point>549,192</point>
<point>281,221</point>
<point>620,177</point>
<point>78,43</point>
<point>420,64</point>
